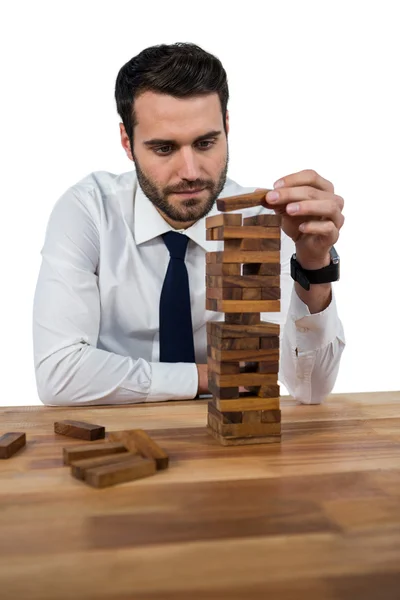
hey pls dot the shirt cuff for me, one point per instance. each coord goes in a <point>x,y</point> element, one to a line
<point>173,381</point>
<point>314,331</point>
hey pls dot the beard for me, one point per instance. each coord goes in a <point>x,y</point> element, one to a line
<point>190,209</point>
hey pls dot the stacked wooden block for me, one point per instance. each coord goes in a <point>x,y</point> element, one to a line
<point>242,281</point>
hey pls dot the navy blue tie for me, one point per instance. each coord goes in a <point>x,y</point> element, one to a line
<point>176,330</point>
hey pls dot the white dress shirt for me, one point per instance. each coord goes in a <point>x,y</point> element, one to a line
<point>96,304</point>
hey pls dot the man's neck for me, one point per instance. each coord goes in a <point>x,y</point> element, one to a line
<point>176,224</point>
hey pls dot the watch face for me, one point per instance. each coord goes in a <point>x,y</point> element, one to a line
<point>334,256</point>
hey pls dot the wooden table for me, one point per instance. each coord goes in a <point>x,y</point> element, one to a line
<point>317,516</point>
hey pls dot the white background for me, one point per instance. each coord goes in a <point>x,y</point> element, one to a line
<point>312,84</point>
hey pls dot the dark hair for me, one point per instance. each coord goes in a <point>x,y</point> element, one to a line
<point>180,70</point>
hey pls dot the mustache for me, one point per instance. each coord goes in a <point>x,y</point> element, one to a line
<point>195,185</point>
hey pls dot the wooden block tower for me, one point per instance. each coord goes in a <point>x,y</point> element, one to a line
<point>242,281</point>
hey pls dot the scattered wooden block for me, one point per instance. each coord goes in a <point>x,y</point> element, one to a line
<point>256,198</point>
<point>10,443</point>
<point>79,429</point>
<point>140,440</point>
<point>136,467</point>
<point>80,467</point>
<point>91,451</point>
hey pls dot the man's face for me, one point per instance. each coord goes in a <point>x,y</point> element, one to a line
<point>180,154</point>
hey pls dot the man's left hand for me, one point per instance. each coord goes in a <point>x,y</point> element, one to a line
<point>311,215</point>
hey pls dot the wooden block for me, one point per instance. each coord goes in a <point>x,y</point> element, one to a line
<point>223,367</point>
<point>225,417</point>
<point>252,416</point>
<point>243,318</point>
<point>212,304</point>
<point>129,470</point>
<point>10,443</point>
<point>80,467</point>
<point>264,330</point>
<point>271,416</point>
<point>222,393</point>
<point>270,293</point>
<point>251,343</point>
<point>227,293</point>
<point>224,220</point>
<point>243,281</point>
<point>138,438</point>
<point>269,220</point>
<point>256,198</point>
<point>247,403</point>
<point>250,233</point>
<point>242,306</point>
<point>268,390</point>
<point>232,441</point>
<point>80,429</point>
<point>271,342</point>
<point>264,269</point>
<point>270,355</point>
<point>223,269</point>
<point>232,245</point>
<point>252,293</point>
<point>243,429</point>
<point>73,453</point>
<point>244,379</point>
<point>244,257</point>
<point>258,245</point>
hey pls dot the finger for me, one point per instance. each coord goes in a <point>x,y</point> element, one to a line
<point>327,210</point>
<point>324,228</point>
<point>305,177</point>
<point>285,195</point>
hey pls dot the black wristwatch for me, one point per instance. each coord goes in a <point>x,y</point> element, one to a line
<point>327,274</point>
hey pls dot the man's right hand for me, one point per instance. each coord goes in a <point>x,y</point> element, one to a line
<point>203,379</point>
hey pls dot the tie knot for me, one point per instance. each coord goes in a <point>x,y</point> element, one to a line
<point>176,244</point>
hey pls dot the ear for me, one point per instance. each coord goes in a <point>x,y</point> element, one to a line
<point>125,141</point>
<point>227,122</point>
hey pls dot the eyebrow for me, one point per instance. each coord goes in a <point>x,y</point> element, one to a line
<point>161,142</point>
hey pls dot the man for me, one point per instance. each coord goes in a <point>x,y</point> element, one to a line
<point>106,329</point>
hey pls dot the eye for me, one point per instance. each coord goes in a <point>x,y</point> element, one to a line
<point>206,144</point>
<point>163,150</point>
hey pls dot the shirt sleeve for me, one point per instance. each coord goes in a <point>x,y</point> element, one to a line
<point>311,344</point>
<point>69,368</point>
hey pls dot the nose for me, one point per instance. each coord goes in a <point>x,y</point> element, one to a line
<point>189,165</point>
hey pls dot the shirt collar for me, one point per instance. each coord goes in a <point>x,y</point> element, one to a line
<point>149,223</point>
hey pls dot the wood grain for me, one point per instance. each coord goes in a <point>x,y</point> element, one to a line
<point>79,468</point>
<point>262,330</point>
<point>10,443</point>
<point>241,306</point>
<point>242,233</point>
<point>79,429</point>
<point>256,198</point>
<point>244,257</point>
<point>73,453</point>
<point>315,516</point>
<point>131,469</point>
<point>243,281</point>
<point>223,220</point>
<point>137,439</point>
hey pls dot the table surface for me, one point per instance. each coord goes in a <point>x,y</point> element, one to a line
<point>316,516</point>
